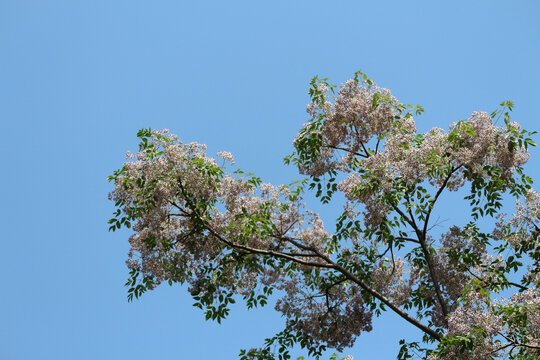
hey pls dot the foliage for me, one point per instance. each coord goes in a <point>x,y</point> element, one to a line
<point>229,235</point>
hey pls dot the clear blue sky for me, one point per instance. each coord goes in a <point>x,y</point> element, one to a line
<point>79,78</point>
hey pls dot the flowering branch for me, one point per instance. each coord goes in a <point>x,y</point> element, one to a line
<point>228,234</point>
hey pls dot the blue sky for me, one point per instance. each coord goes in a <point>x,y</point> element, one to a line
<point>79,78</point>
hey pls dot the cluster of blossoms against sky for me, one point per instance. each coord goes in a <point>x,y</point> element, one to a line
<point>225,232</point>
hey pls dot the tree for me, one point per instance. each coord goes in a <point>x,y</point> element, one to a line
<point>228,235</point>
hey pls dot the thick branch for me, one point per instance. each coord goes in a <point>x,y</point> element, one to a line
<point>330,264</point>
<point>370,290</point>
<point>387,302</point>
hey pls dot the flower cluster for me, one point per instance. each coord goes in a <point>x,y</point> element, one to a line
<point>195,223</point>
<point>365,132</point>
<point>440,158</point>
<point>360,112</point>
<point>334,317</point>
<point>483,329</point>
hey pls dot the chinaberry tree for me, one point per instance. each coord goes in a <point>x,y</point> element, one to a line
<point>230,236</point>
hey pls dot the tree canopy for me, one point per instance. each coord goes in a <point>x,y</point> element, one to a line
<point>472,291</point>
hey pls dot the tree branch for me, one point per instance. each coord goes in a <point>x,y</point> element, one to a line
<point>403,215</point>
<point>346,150</point>
<point>407,239</point>
<point>499,283</point>
<point>330,264</point>
<point>266,252</point>
<point>516,343</point>
<point>371,291</point>
<point>387,302</point>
